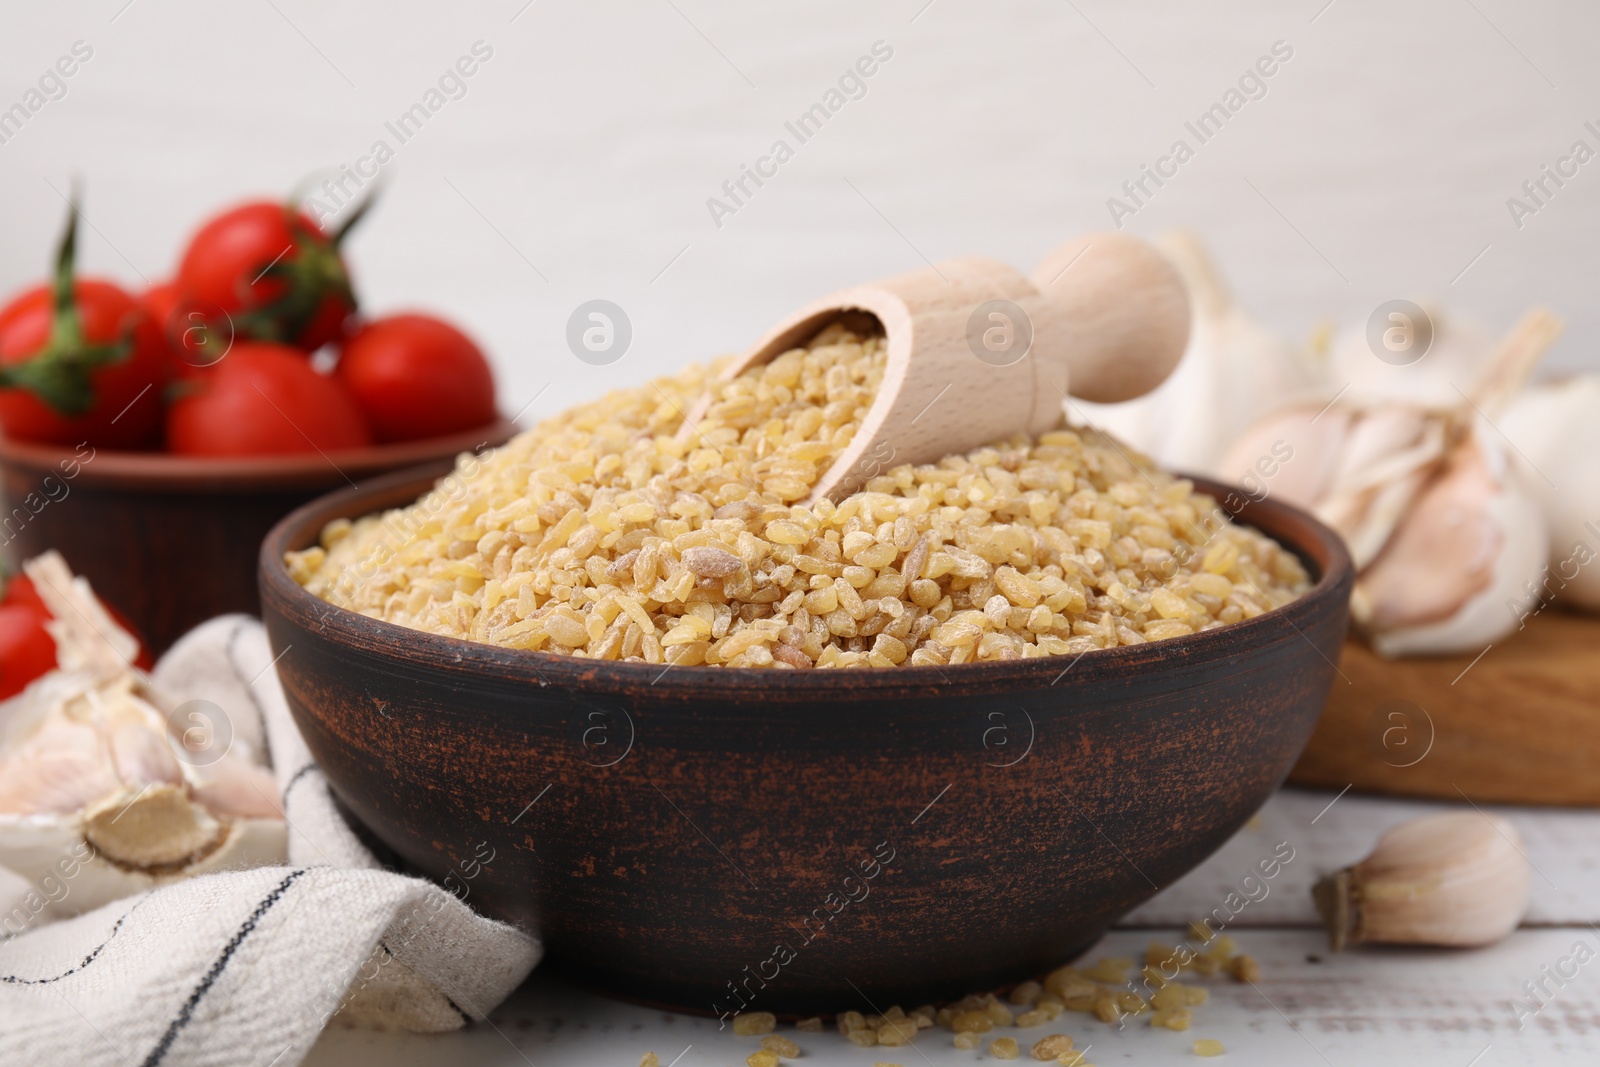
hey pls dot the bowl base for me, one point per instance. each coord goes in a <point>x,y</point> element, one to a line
<point>689,1000</point>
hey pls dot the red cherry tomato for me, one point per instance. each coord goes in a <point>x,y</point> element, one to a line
<point>266,271</point>
<point>80,360</point>
<point>263,399</point>
<point>415,376</point>
<point>26,648</point>
<point>20,590</point>
<point>192,342</point>
<point>161,302</point>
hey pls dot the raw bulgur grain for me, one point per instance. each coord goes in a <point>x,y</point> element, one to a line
<point>599,533</point>
<point>1026,994</point>
<point>1048,1048</point>
<point>976,1022</point>
<point>781,1045</point>
<point>897,1032</point>
<point>1173,1018</point>
<point>750,1023</point>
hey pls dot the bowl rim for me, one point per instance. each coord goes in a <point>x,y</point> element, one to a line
<point>165,471</point>
<point>1313,542</point>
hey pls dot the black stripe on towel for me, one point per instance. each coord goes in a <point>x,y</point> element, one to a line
<point>294,780</point>
<point>186,1013</point>
<point>14,979</point>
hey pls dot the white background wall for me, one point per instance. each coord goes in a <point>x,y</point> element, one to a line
<point>1377,166</point>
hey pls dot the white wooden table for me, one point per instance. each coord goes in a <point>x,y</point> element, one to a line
<point>1364,1006</point>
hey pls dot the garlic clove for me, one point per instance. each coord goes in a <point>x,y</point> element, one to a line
<point>59,769</point>
<point>1453,577</point>
<point>234,786</point>
<point>1312,438</point>
<point>87,637</point>
<point>1389,454</point>
<point>1454,879</point>
<point>154,827</point>
<point>1556,428</point>
<point>143,756</point>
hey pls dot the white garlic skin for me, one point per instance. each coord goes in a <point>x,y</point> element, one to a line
<point>1557,427</point>
<point>1456,878</point>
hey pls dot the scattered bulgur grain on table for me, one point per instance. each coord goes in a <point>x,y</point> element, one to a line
<point>1206,1046</point>
<point>897,1032</point>
<point>1004,1048</point>
<point>1172,1018</point>
<point>750,1023</point>
<point>976,1022</point>
<point>781,1045</point>
<point>649,1059</point>
<point>966,1039</point>
<point>812,1025</point>
<point>1026,994</point>
<point>762,1058</point>
<point>598,533</point>
<point>1048,1048</point>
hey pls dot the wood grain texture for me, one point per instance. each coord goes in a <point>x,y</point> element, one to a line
<point>171,541</point>
<point>1519,726</point>
<point>1105,317</point>
<point>663,830</point>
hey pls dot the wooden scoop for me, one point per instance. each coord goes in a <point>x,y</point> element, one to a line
<point>978,352</point>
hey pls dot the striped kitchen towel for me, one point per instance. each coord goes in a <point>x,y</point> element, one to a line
<point>248,966</point>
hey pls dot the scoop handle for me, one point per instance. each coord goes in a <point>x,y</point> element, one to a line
<point>1126,312</point>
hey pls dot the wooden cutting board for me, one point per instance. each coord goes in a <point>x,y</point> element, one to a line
<point>1520,725</point>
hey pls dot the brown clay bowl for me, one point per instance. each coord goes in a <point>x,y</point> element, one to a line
<point>171,541</point>
<point>697,837</point>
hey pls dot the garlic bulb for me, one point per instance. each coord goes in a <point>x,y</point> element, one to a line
<point>1556,428</point>
<point>1440,519</point>
<point>1232,373</point>
<point>1456,878</point>
<point>1458,352</point>
<point>93,778</point>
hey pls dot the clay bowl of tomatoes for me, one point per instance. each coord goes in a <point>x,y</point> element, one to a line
<point>154,438</point>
